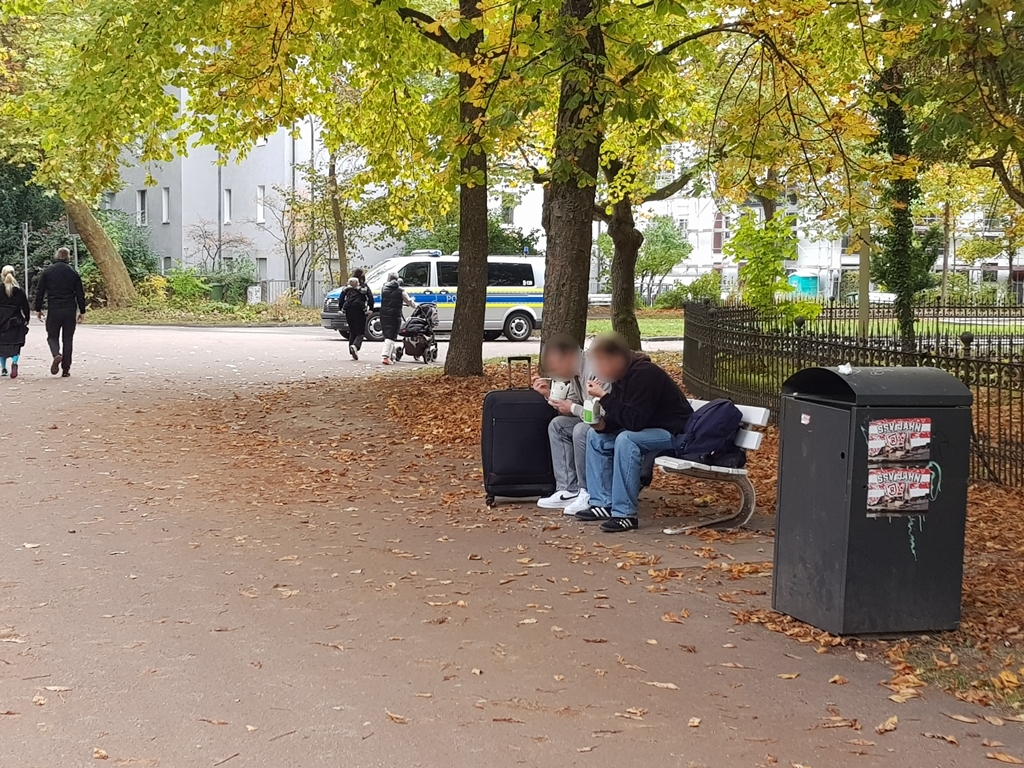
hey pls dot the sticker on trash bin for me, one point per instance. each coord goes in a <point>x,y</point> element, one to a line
<point>805,418</point>
<point>898,490</point>
<point>899,439</point>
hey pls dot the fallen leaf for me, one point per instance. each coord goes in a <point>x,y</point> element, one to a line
<point>396,718</point>
<point>585,749</point>
<point>861,742</point>
<point>963,719</point>
<point>212,722</point>
<point>888,726</point>
<point>527,621</point>
<point>31,546</point>
<point>989,743</point>
<point>478,671</point>
<point>56,688</point>
<point>664,686</point>
<point>475,557</point>
<point>633,713</point>
<point>424,695</point>
<point>732,665</point>
<point>838,680</point>
<point>251,728</point>
<point>694,722</point>
<point>1002,757</point>
<point>39,700</point>
<point>594,640</point>
<point>942,737</point>
<point>789,676</point>
<point>652,642</point>
<point>99,754</point>
<point>990,719</point>
<point>505,720</point>
<point>861,656</point>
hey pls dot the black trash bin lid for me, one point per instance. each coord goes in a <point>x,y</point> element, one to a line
<point>879,387</point>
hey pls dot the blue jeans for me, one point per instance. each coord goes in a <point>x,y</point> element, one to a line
<point>613,466</point>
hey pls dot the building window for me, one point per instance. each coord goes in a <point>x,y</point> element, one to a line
<point>684,226</point>
<point>261,204</point>
<point>720,233</point>
<point>227,206</point>
<point>261,268</point>
<point>168,264</point>
<point>140,208</point>
<point>108,200</point>
<point>165,205</point>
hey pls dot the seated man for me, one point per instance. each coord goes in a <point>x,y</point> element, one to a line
<point>641,415</point>
<point>565,363</point>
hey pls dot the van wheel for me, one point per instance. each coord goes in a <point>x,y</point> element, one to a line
<point>518,326</point>
<point>373,331</point>
<point>492,335</point>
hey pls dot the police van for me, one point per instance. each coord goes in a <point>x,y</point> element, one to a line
<point>515,293</point>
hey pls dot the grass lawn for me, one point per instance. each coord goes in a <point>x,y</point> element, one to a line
<point>207,314</point>
<point>650,327</point>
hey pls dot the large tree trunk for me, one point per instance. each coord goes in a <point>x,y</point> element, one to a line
<point>339,219</point>
<point>465,350</point>
<point>116,281</point>
<point>627,239</point>
<point>574,175</point>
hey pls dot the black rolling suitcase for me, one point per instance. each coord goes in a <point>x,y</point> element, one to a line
<point>514,442</point>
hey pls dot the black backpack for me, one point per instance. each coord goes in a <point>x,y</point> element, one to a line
<point>710,436</point>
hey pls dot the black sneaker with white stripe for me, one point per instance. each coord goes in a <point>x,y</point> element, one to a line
<point>594,514</point>
<point>620,524</point>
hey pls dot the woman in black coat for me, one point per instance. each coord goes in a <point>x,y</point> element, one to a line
<point>14,318</point>
<point>357,304</point>
<point>392,298</point>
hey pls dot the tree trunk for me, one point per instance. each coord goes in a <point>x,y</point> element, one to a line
<point>339,218</point>
<point>627,239</point>
<point>116,281</point>
<point>465,350</point>
<point>574,175</point>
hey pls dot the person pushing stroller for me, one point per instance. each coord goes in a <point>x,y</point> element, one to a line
<point>392,298</point>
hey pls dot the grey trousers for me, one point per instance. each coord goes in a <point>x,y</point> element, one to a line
<point>568,436</point>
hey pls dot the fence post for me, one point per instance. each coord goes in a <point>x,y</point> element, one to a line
<point>966,338</point>
<point>799,323</point>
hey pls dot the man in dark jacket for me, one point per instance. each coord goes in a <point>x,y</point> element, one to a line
<point>641,414</point>
<point>62,287</point>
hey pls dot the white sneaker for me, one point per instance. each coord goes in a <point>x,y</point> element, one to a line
<point>558,500</point>
<point>579,504</point>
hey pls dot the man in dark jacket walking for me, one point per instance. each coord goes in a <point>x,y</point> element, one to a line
<point>642,413</point>
<point>62,288</point>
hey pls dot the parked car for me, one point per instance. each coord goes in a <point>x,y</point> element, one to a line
<point>515,293</point>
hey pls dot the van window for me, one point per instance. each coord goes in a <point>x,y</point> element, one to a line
<point>509,274</point>
<point>448,274</point>
<point>415,274</point>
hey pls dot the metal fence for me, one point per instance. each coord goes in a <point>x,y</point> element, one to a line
<point>309,294</point>
<point>746,354</point>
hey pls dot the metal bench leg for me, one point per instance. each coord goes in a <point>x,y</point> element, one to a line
<point>748,503</point>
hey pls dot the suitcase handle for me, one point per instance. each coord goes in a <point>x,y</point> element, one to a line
<point>529,370</point>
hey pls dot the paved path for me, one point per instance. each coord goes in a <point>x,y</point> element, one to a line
<point>199,569</point>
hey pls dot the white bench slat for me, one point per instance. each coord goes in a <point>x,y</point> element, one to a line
<point>749,440</point>
<point>751,414</point>
<point>681,465</point>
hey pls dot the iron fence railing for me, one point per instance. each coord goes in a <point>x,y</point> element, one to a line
<point>310,293</point>
<point>739,352</point>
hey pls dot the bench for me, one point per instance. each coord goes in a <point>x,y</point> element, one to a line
<point>749,439</point>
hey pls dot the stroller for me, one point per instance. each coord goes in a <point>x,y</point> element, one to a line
<point>418,333</point>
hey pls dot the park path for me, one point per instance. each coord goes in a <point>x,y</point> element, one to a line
<point>202,569</point>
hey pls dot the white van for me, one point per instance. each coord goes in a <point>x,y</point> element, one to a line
<point>515,293</point>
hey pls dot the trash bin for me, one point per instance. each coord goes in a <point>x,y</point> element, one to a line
<point>872,499</point>
<point>216,292</point>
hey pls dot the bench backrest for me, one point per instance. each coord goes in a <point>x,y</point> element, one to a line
<point>747,439</point>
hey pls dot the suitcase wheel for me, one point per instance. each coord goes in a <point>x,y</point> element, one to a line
<point>490,501</point>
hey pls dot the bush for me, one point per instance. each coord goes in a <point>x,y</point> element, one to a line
<point>674,298</point>
<point>707,286</point>
<point>187,288</point>
<point>236,275</point>
<point>153,290</point>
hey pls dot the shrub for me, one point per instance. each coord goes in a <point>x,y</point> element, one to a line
<point>153,290</point>
<point>707,286</point>
<point>674,298</point>
<point>236,275</point>
<point>187,287</point>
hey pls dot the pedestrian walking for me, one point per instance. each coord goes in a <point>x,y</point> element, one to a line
<point>392,298</point>
<point>357,305</point>
<point>14,318</point>
<point>62,288</point>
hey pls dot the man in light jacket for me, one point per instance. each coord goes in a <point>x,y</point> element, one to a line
<point>569,371</point>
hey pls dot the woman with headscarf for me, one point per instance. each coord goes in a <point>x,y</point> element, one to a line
<point>14,317</point>
<point>357,305</point>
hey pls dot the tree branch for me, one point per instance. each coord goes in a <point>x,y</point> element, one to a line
<point>669,49</point>
<point>421,21</point>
